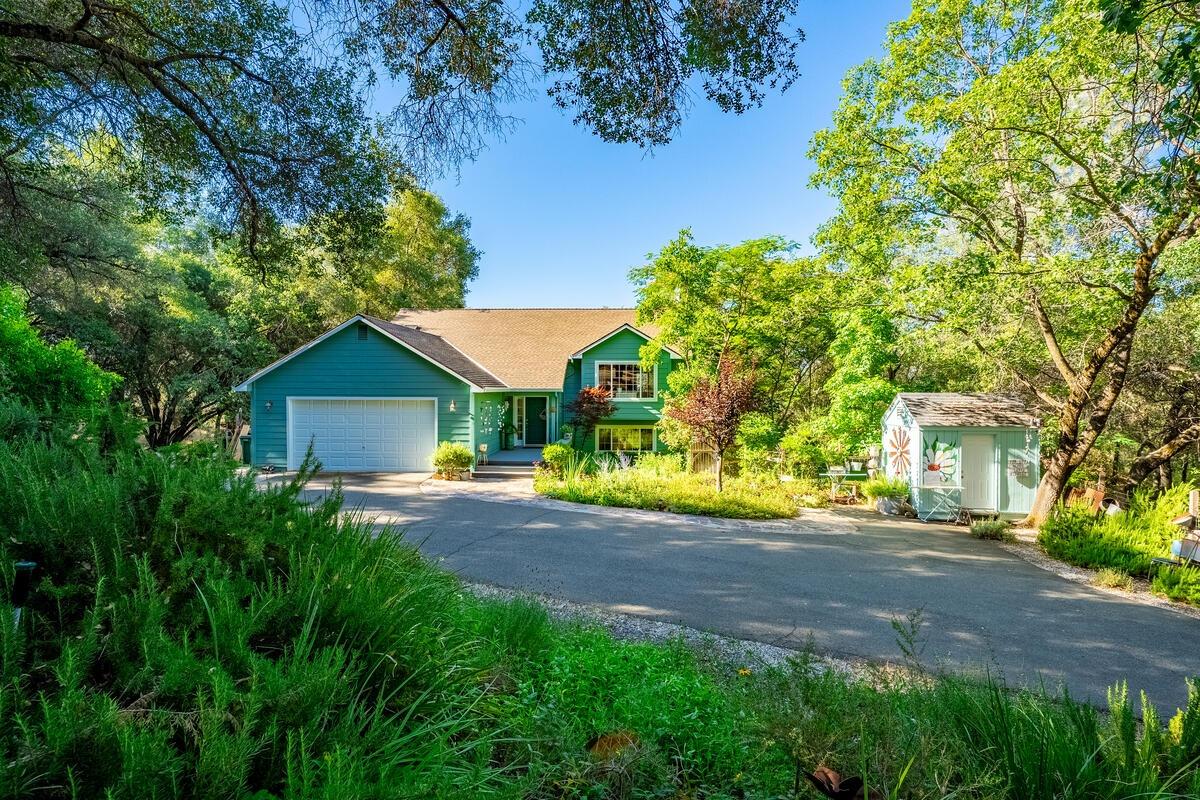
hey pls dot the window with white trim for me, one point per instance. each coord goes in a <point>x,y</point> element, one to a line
<point>626,380</point>
<point>624,438</point>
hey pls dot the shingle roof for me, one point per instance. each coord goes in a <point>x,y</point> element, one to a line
<point>524,348</point>
<point>968,410</point>
<point>441,351</point>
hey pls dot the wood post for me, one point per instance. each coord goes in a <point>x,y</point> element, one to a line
<point>1194,503</point>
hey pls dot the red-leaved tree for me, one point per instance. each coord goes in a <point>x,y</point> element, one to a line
<point>592,404</point>
<point>714,407</point>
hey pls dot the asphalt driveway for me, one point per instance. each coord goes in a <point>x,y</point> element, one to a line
<point>982,608</point>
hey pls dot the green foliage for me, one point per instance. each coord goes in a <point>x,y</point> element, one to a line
<point>1178,583</point>
<point>258,643</point>
<point>57,383</point>
<point>193,633</point>
<point>258,114</point>
<point>758,443</point>
<point>885,488</point>
<point>451,458</point>
<point>979,199</point>
<point>1127,541</point>
<point>995,529</point>
<point>658,482</point>
<point>755,301</point>
<point>556,457</point>
<point>860,388</point>
<point>1110,578</point>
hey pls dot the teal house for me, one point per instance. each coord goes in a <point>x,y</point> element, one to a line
<point>378,395</point>
<point>978,452</point>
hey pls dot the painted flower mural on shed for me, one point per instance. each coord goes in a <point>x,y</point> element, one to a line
<point>899,445</point>
<point>941,461</point>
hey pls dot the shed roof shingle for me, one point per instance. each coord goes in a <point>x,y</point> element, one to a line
<point>968,410</point>
<point>522,348</point>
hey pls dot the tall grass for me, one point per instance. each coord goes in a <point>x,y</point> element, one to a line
<point>1127,542</point>
<point>192,634</point>
<point>196,635</point>
<point>659,482</point>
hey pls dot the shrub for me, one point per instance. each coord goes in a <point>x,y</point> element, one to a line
<point>451,458</point>
<point>660,464</point>
<point>994,529</point>
<point>56,382</point>
<point>1112,579</point>
<point>1127,541</point>
<point>556,458</point>
<point>193,634</point>
<point>592,404</point>
<point>886,488</point>
<point>1178,583</point>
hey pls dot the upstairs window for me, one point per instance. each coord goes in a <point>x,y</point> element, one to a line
<point>626,380</point>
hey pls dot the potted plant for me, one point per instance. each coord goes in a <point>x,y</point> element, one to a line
<point>451,460</point>
<point>887,494</point>
<point>506,434</point>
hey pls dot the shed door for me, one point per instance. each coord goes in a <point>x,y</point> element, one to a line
<point>360,435</point>
<point>979,472</point>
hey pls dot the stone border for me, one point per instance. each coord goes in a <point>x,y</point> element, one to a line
<point>1025,547</point>
<point>520,492</point>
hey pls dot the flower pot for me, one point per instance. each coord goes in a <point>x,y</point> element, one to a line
<point>889,505</point>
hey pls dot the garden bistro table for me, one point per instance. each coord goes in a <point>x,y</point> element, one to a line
<point>945,500</point>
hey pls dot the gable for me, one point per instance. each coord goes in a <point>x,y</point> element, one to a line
<point>344,357</point>
<point>622,345</point>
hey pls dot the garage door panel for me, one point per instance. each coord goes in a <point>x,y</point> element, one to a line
<point>378,435</point>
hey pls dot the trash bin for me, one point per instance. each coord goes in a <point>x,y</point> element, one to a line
<point>245,440</point>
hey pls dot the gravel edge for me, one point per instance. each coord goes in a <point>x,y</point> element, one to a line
<point>1025,547</point>
<point>732,651</point>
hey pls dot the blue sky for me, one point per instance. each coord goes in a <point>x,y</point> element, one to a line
<point>561,216</point>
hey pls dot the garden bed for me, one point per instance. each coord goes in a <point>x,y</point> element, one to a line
<point>683,493</point>
<point>1126,543</point>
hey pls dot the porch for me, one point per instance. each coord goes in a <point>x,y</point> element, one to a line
<point>523,456</point>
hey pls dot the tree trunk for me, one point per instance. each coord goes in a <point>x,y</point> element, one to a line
<point>720,460</point>
<point>1146,464</point>
<point>1050,490</point>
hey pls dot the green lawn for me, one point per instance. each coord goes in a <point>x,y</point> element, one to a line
<point>194,636</point>
<point>683,493</point>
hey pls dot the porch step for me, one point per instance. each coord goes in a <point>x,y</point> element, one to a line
<point>501,471</point>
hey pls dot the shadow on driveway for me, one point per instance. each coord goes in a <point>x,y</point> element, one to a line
<point>983,609</point>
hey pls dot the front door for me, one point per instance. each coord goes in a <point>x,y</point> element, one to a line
<point>535,421</point>
<point>978,472</point>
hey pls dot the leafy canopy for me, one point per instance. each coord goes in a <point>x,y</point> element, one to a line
<point>259,111</point>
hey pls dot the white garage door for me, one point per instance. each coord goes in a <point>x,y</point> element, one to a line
<point>384,435</point>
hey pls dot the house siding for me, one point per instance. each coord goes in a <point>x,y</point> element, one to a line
<point>344,366</point>
<point>489,418</point>
<point>624,346</point>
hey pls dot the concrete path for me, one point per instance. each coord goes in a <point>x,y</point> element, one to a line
<point>982,608</point>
